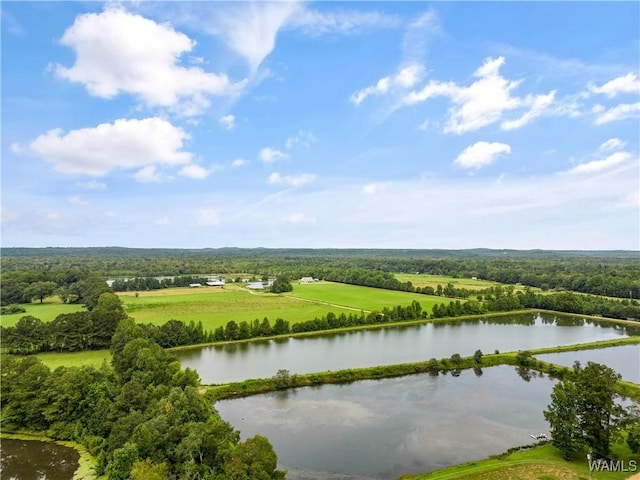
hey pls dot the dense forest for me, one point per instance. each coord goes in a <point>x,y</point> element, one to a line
<point>74,270</point>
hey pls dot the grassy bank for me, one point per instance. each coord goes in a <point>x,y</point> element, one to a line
<point>86,462</point>
<point>539,463</point>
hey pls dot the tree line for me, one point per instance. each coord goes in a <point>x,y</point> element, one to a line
<point>142,417</point>
<point>600,273</point>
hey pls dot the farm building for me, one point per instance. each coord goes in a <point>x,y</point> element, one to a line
<point>195,285</point>
<point>256,286</point>
<point>216,283</point>
<point>307,280</point>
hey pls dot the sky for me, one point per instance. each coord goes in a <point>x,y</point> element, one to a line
<point>321,124</point>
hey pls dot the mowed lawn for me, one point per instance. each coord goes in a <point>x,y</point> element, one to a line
<point>46,311</point>
<point>215,307</point>
<point>361,298</point>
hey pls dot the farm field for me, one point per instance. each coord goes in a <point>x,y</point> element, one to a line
<point>426,280</point>
<point>361,298</point>
<point>216,307</point>
<point>46,311</point>
<point>92,358</point>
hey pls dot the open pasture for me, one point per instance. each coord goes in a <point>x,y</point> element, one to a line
<point>426,280</point>
<point>215,307</point>
<point>93,358</point>
<point>360,298</point>
<point>46,311</point>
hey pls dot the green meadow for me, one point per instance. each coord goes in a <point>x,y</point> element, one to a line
<point>216,307</point>
<point>426,280</point>
<point>93,358</point>
<point>361,298</point>
<point>45,311</point>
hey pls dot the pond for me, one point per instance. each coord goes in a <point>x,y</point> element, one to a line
<point>385,346</point>
<point>380,429</point>
<point>624,359</point>
<point>34,460</point>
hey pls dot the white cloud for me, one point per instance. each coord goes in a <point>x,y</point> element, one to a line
<point>208,217</point>
<point>485,101</point>
<point>16,149</point>
<point>117,51</point>
<point>612,144</point>
<point>417,35</point>
<point>290,180</point>
<point>124,144</point>
<point>373,188</point>
<point>238,162</point>
<point>629,83</point>
<point>539,104</point>
<point>250,28</point>
<point>405,78</point>
<point>194,171</point>
<point>619,112</point>
<point>481,154</point>
<point>303,137</point>
<point>77,201</point>
<point>148,174</point>
<point>599,166</point>
<point>228,122</point>
<point>300,218</point>
<point>270,155</point>
<point>345,22</point>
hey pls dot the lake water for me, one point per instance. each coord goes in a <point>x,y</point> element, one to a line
<point>380,429</point>
<point>624,359</point>
<point>365,348</point>
<point>34,460</point>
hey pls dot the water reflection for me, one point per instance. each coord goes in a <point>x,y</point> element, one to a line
<point>413,343</point>
<point>382,429</point>
<point>33,460</point>
<point>624,359</point>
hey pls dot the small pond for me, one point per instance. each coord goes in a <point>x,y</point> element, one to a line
<point>624,359</point>
<point>384,428</point>
<point>386,346</point>
<point>34,460</point>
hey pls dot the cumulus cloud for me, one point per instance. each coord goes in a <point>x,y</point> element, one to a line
<point>405,78</point>
<point>208,217</point>
<point>303,137</point>
<point>124,144</point>
<point>228,122</point>
<point>612,144</point>
<point>619,112</point>
<point>270,155</point>
<point>121,52</point>
<point>481,154</point>
<point>599,166</point>
<point>539,104</point>
<point>290,180</point>
<point>148,174</point>
<point>238,162</point>
<point>629,83</point>
<point>194,171</point>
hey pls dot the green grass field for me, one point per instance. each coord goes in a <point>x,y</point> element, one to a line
<point>93,358</point>
<point>216,307</point>
<point>361,298</point>
<point>426,280</point>
<point>46,311</point>
<point>541,463</point>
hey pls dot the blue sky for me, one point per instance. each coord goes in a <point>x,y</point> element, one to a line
<point>326,124</point>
